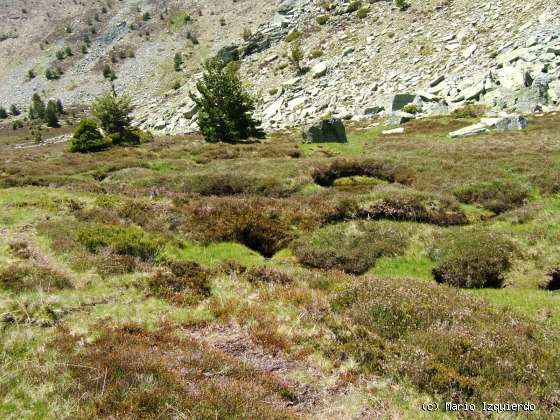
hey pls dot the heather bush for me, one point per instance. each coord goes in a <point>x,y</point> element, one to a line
<point>443,342</point>
<point>180,282</point>
<point>498,196</point>
<point>472,258</point>
<point>21,277</point>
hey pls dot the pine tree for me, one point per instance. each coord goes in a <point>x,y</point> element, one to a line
<point>178,61</point>
<point>37,108</point>
<point>113,112</point>
<point>14,110</point>
<point>225,108</point>
<point>295,57</point>
<point>3,113</point>
<point>59,107</point>
<point>51,115</point>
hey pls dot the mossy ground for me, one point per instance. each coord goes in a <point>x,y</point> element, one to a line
<point>281,310</point>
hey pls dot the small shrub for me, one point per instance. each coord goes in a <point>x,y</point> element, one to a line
<point>497,196</point>
<point>469,111</point>
<point>472,258</point>
<point>21,277</point>
<point>411,108</point>
<point>322,19</point>
<point>354,6</point>
<point>180,282</point>
<point>3,113</point>
<point>292,36</point>
<point>363,12</point>
<point>315,53</point>
<point>20,249</point>
<point>351,247</point>
<point>402,4</point>
<point>87,138</point>
<point>125,240</point>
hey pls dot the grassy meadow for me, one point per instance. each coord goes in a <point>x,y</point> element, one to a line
<point>180,279</point>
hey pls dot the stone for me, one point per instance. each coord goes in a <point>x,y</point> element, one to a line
<point>399,101</point>
<point>513,122</point>
<point>469,51</point>
<point>325,131</point>
<point>399,117</point>
<point>427,96</point>
<point>554,91</point>
<point>511,56</point>
<point>372,110</point>
<point>474,91</point>
<point>399,130</point>
<point>512,77</point>
<point>319,69</point>
<point>228,54</point>
<point>437,80</point>
<point>471,130</point>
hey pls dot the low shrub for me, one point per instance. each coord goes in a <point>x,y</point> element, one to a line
<point>497,196</point>
<point>87,138</point>
<point>444,342</point>
<point>130,136</point>
<point>322,19</point>
<point>133,373</point>
<point>326,175</point>
<point>20,249</point>
<point>263,225</point>
<point>124,240</point>
<point>180,282</point>
<point>21,277</point>
<point>472,258</point>
<point>408,204</point>
<point>351,247</point>
<point>225,184</point>
<point>469,111</point>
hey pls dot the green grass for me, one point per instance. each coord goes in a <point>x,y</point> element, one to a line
<point>214,254</point>
<point>355,146</point>
<point>407,266</point>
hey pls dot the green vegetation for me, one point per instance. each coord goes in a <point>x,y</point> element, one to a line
<point>184,278</point>
<point>295,56</point>
<point>225,107</point>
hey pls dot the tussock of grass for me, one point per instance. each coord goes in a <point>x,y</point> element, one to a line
<point>498,195</point>
<point>352,247</point>
<point>180,282</point>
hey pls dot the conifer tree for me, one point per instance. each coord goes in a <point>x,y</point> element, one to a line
<point>225,108</point>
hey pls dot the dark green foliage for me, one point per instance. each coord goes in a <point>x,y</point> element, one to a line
<point>178,61</point>
<point>498,196</point>
<point>22,277</point>
<point>108,72</point>
<point>14,110</point>
<point>68,52</point>
<point>3,113</point>
<point>51,115</point>
<point>472,258</point>
<point>37,108</point>
<point>59,107</point>
<point>351,247</point>
<point>31,74</point>
<point>52,73</point>
<point>124,240</point>
<point>354,6</point>
<point>444,342</point>
<point>180,282</point>
<point>113,112</point>
<point>225,108</point>
<point>87,138</point>
<point>60,55</point>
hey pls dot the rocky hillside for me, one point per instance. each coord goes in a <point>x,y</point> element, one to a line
<point>442,53</point>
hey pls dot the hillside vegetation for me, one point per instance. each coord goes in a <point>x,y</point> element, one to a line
<point>183,279</point>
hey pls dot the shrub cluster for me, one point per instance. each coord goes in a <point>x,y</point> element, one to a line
<point>125,240</point>
<point>262,274</point>
<point>472,258</point>
<point>351,247</point>
<point>444,342</point>
<point>180,282</point>
<point>20,277</point>
<point>497,196</point>
<point>407,204</point>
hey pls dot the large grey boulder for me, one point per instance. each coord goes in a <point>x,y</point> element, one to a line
<point>471,130</point>
<point>399,101</point>
<point>399,117</point>
<point>512,122</point>
<point>228,54</point>
<point>325,131</point>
